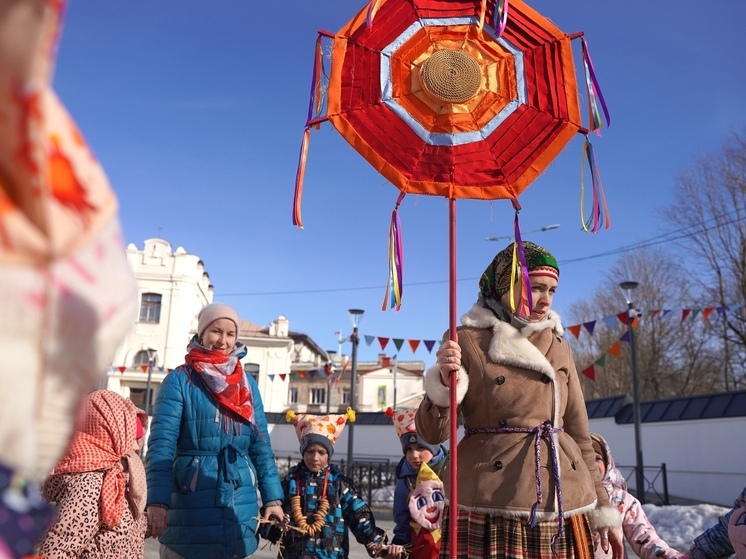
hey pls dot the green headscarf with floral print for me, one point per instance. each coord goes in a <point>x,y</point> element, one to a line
<point>495,280</point>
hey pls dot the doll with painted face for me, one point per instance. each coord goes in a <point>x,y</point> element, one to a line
<point>426,504</point>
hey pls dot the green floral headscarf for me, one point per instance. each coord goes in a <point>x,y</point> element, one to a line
<point>495,280</point>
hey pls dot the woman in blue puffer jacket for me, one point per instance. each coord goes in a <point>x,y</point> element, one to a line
<point>209,450</point>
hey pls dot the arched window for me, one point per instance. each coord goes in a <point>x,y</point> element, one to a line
<point>142,357</point>
<point>150,308</point>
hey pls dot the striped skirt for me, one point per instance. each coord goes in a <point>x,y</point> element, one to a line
<point>482,536</point>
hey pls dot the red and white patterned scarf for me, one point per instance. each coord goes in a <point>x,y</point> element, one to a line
<point>106,439</point>
<point>224,377</point>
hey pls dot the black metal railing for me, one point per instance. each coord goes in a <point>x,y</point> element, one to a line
<point>375,478</point>
<point>656,483</point>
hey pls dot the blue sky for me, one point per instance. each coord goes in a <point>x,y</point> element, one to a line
<point>197,109</point>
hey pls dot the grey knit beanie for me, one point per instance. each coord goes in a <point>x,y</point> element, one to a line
<point>213,312</point>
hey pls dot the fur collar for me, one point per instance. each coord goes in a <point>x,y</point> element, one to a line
<point>510,346</point>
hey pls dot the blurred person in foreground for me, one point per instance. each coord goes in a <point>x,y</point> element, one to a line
<point>528,485</point>
<point>209,450</point>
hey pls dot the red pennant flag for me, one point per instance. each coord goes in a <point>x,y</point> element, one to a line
<point>144,368</point>
<point>327,369</point>
<point>383,342</point>
<point>414,344</point>
<point>590,372</point>
<point>684,314</point>
<point>615,349</point>
<point>122,369</point>
<point>574,330</point>
<point>706,313</point>
<point>624,318</point>
<point>282,376</point>
<point>169,370</point>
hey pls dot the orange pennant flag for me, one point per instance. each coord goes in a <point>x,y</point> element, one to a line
<point>706,313</point>
<point>615,349</point>
<point>575,330</point>
<point>414,344</point>
<point>144,368</point>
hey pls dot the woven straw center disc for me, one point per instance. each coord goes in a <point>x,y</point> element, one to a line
<point>451,76</point>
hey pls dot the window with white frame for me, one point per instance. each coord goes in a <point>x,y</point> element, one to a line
<point>293,395</point>
<point>318,395</point>
<point>150,308</point>
<point>346,396</point>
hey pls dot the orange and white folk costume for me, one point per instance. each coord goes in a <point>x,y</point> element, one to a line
<point>67,294</point>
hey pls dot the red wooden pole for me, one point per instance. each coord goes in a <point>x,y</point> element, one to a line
<point>452,381</point>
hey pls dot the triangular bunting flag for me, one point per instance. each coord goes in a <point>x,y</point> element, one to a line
<point>282,376</point>
<point>625,337</point>
<point>369,340</point>
<point>302,374</point>
<point>623,318</point>
<point>161,369</point>
<point>398,342</point>
<point>271,377</point>
<point>654,313</point>
<point>429,345</point>
<point>610,321</point>
<point>144,368</point>
<point>615,349</point>
<point>635,322</point>
<point>601,361</point>
<point>684,314</point>
<point>695,312</point>
<point>590,326</point>
<point>706,313</point>
<point>414,344</point>
<point>313,373</point>
<point>666,312</point>
<point>122,369</point>
<point>169,370</point>
<point>733,308</point>
<point>590,372</point>
<point>574,330</point>
<point>383,342</point>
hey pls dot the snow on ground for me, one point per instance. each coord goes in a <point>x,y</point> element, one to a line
<point>678,525</point>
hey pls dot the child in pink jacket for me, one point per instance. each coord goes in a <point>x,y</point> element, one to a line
<point>636,527</point>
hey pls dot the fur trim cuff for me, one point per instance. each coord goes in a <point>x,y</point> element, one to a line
<point>604,517</point>
<point>439,394</point>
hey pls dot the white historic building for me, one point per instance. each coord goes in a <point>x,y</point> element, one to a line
<point>292,370</point>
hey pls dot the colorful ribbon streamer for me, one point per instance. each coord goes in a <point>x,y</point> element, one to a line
<point>519,271</point>
<point>500,19</point>
<point>372,11</point>
<point>395,285</point>
<point>599,214</point>
<point>594,93</point>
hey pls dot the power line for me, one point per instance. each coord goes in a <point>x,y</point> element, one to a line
<point>671,236</point>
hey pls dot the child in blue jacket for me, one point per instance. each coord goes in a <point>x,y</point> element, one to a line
<point>416,452</point>
<point>320,502</point>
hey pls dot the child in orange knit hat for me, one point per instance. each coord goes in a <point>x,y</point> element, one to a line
<point>320,502</point>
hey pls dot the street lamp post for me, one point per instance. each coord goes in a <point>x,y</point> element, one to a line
<point>355,315</point>
<point>151,356</point>
<point>329,378</point>
<point>627,287</point>
<point>539,230</point>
